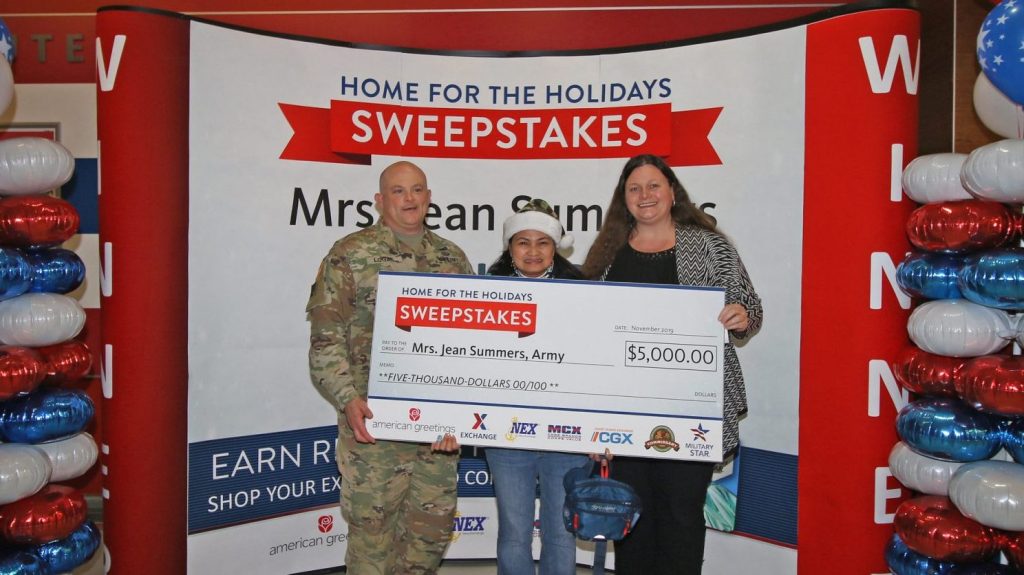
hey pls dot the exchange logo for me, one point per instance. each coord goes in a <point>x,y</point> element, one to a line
<point>662,439</point>
<point>414,414</point>
<point>479,424</point>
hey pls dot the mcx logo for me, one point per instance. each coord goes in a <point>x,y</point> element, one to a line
<point>613,437</point>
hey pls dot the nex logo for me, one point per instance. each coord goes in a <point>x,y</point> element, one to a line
<point>480,417</point>
<point>523,428</point>
<point>465,524</point>
<point>612,437</point>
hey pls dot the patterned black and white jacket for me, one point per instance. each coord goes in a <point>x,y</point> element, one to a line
<point>706,259</point>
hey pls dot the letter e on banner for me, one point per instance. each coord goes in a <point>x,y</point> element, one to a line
<point>883,494</point>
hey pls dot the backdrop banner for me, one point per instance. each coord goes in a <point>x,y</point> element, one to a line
<point>234,158</point>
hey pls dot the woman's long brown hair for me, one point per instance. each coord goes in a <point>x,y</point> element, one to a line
<point>619,223</point>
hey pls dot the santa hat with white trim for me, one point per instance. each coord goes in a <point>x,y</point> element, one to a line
<point>537,215</point>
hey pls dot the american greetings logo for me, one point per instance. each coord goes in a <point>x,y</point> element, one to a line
<point>414,414</point>
<point>325,523</point>
<point>413,312</point>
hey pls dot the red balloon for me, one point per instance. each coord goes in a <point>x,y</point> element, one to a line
<point>67,362</point>
<point>37,220</point>
<point>926,373</point>
<point>21,370</point>
<point>993,383</point>
<point>933,526</point>
<point>961,226</point>
<point>52,514</point>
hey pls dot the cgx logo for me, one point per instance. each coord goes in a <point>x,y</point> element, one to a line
<point>614,437</point>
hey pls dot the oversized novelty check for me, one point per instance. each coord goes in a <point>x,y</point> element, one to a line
<point>549,364</point>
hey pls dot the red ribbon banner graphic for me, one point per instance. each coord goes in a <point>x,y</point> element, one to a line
<point>466,314</point>
<point>350,132</point>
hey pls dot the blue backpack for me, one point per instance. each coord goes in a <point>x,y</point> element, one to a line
<point>598,508</point>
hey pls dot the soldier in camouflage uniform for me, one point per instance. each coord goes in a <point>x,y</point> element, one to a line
<point>398,498</point>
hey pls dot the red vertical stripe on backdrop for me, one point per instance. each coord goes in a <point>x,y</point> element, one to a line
<point>143,132</point>
<point>848,216</point>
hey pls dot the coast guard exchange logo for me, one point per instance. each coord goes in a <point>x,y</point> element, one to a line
<point>662,439</point>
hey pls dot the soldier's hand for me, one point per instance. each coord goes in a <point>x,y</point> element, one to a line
<point>447,444</point>
<point>599,457</point>
<point>356,414</point>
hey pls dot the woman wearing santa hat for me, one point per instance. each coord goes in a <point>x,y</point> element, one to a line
<point>532,237</point>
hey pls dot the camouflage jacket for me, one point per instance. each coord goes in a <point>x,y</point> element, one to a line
<point>343,297</point>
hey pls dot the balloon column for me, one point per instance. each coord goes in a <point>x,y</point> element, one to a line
<point>965,370</point>
<point>43,525</point>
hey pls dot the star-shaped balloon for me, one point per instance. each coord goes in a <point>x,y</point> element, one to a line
<point>1000,48</point>
<point>6,41</point>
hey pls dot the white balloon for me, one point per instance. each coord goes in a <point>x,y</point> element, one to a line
<point>6,84</point>
<point>995,172</point>
<point>70,457</point>
<point>956,328</point>
<point>33,166</point>
<point>24,470</point>
<point>999,113</point>
<point>37,319</point>
<point>935,178</point>
<point>919,472</point>
<point>991,493</point>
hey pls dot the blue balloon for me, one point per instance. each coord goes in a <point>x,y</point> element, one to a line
<point>65,554</point>
<point>994,278</point>
<point>55,270</point>
<point>930,275</point>
<point>902,560</point>
<point>949,429</point>
<point>45,415</point>
<point>22,563</point>
<point>15,273</point>
<point>1013,438</point>
<point>6,42</point>
<point>998,49</point>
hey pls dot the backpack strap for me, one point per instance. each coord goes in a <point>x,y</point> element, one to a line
<point>600,551</point>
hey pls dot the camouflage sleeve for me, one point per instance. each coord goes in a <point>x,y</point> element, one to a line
<point>329,312</point>
<point>467,268</point>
